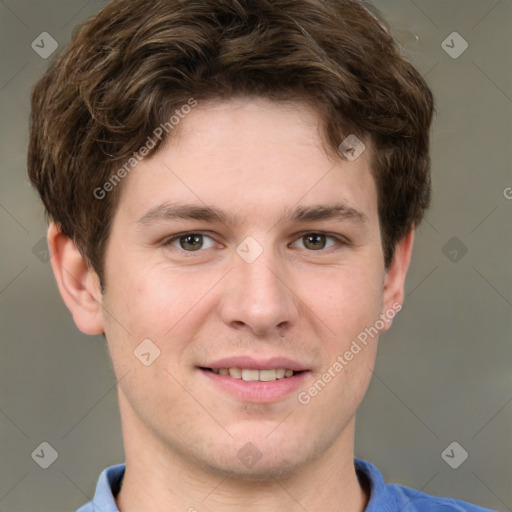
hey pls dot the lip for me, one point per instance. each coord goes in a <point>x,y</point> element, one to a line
<point>256,364</point>
<point>256,391</point>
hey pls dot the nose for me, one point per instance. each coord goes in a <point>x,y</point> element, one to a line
<point>259,297</point>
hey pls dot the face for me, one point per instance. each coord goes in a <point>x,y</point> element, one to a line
<point>242,249</point>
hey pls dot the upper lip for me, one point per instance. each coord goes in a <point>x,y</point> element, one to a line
<point>256,364</point>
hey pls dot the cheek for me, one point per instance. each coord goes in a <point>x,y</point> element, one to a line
<point>147,301</point>
<point>160,303</point>
<point>348,300</point>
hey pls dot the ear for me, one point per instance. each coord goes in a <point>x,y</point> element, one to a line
<point>78,283</point>
<point>394,281</point>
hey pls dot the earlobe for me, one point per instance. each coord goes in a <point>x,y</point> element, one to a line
<point>78,283</point>
<point>394,283</point>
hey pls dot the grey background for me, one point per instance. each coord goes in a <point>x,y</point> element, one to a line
<point>443,372</point>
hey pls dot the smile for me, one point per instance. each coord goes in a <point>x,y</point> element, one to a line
<point>252,374</point>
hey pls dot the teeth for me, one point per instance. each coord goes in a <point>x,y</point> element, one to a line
<point>266,375</point>
<point>252,375</point>
<point>235,372</point>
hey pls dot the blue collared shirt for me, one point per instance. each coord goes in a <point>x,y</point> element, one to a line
<point>383,498</point>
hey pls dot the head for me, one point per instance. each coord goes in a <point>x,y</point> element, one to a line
<point>230,123</point>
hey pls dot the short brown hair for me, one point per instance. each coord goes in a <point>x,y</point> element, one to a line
<point>131,65</point>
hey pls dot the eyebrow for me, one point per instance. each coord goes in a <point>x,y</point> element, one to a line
<point>172,211</point>
<point>339,211</point>
<point>167,212</point>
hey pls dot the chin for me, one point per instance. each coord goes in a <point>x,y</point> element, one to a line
<point>262,461</point>
<point>260,472</point>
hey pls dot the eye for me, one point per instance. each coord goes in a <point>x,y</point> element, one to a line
<point>190,242</point>
<point>316,241</point>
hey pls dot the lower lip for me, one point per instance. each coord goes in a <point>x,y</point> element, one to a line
<point>257,391</point>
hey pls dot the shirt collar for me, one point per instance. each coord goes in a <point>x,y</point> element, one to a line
<point>108,486</point>
<point>379,500</point>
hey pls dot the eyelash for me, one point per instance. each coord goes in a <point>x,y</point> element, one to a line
<point>340,241</point>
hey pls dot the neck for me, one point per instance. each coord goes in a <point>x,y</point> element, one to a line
<point>163,480</point>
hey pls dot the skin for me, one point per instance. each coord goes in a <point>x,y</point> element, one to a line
<point>255,159</point>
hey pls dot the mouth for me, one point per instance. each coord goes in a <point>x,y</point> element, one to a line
<point>251,380</point>
<point>254,374</point>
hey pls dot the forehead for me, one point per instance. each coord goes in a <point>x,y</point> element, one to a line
<point>248,157</point>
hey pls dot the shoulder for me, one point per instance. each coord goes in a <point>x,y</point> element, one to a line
<point>393,498</point>
<point>88,507</point>
<point>412,500</point>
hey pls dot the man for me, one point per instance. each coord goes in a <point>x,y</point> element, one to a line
<point>233,188</point>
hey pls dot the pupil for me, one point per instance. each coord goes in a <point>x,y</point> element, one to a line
<point>317,240</point>
<point>190,240</point>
